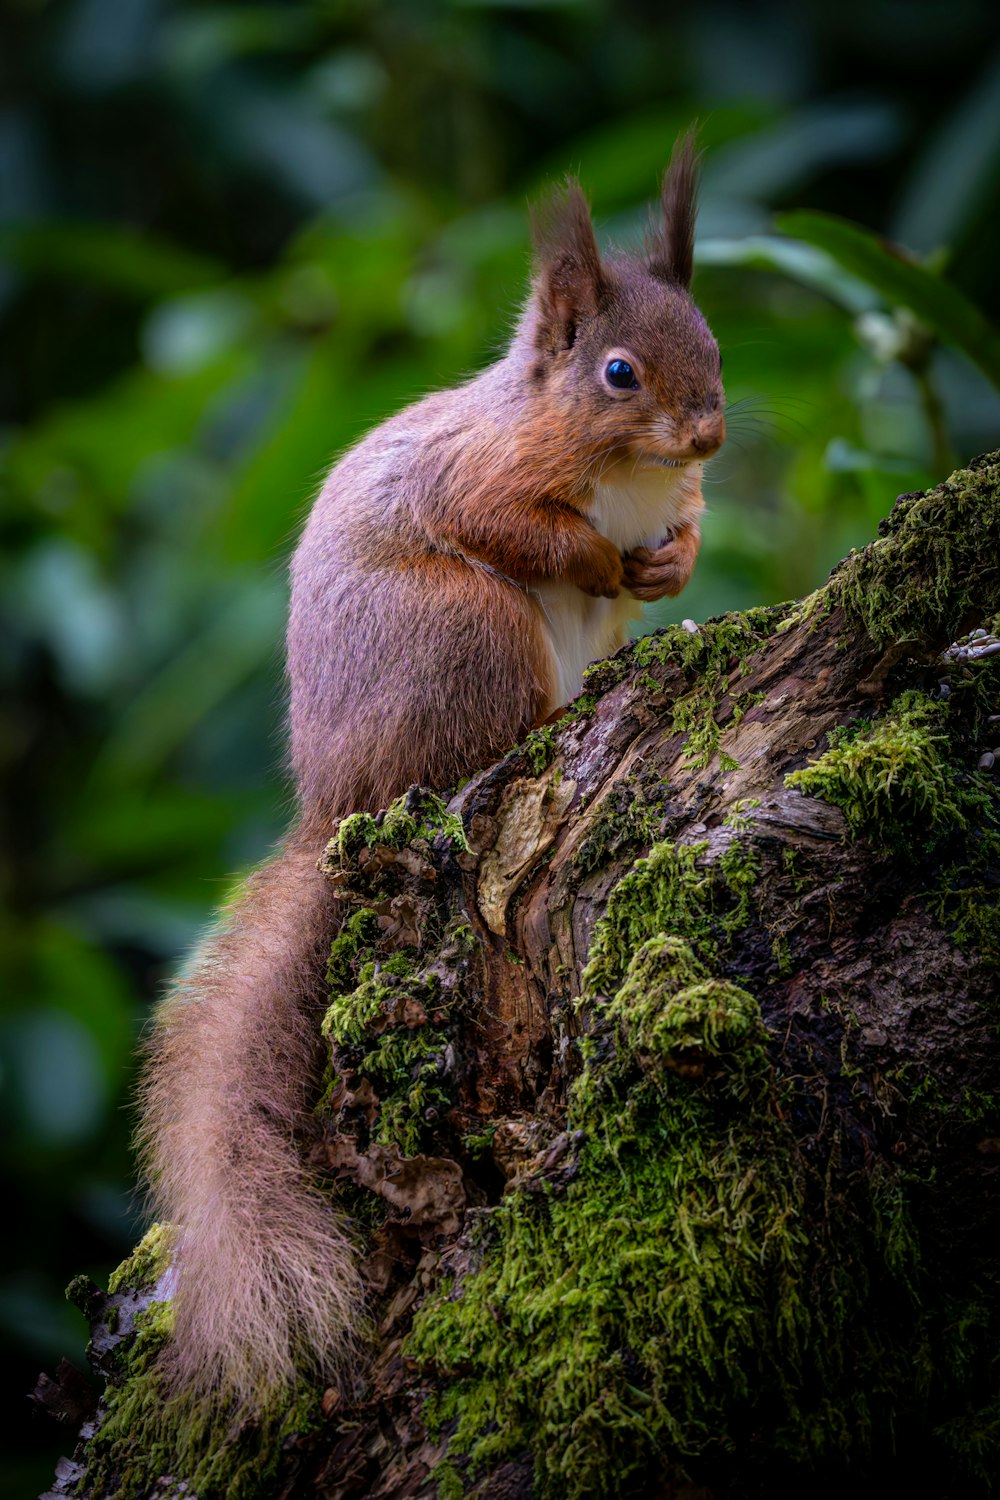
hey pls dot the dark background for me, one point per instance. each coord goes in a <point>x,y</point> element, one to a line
<point>234,236</point>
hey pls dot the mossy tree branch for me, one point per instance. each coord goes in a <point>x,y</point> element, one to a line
<point>664,1078</point>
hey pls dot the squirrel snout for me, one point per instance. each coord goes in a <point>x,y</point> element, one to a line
<point>708,433</point>
<point>697,437</point>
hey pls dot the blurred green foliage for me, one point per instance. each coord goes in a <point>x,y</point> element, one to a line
<point>232,237</point>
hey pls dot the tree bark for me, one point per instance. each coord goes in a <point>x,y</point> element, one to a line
<point>663,1088</point>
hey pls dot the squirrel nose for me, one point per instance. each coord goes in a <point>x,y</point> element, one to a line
<point>708,432</point>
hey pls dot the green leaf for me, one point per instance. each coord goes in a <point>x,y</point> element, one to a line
<point>134,264</point>
<point>803,263</point>
<point>203,671</point>
<point>903,282</point>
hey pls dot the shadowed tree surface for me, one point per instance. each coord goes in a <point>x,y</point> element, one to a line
<point>661,1083</point>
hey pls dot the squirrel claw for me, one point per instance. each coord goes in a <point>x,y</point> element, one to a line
<point>652,575</point>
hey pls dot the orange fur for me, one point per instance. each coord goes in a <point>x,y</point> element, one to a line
<point>453,579</point>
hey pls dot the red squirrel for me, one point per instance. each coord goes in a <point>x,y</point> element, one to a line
<point>461,566</point>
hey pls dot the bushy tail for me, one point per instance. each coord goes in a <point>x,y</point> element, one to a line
<point>267,1281</point>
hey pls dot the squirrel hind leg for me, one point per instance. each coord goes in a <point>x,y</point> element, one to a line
<point>458,675</point>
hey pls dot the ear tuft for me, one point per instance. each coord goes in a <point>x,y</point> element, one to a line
<point>570,281</point>
<point>670,250</point>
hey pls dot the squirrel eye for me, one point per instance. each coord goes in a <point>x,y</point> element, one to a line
<point>621,375</point>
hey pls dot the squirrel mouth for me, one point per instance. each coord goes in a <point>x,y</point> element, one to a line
<point>658,462</point>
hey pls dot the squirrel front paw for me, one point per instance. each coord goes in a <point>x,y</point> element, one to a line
<point>651,575</point>
<point>602,571</point>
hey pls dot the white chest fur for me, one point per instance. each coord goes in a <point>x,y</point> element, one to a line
<point>633,508</point>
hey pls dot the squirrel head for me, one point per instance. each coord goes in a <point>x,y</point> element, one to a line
<point>620,348</point>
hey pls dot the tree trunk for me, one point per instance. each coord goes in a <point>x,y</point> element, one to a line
<point>663,1081</point>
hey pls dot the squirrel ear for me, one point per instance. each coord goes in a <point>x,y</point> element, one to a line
<point>570,281</point>
<point>670,249</point>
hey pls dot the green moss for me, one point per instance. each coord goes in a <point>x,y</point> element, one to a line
<point>479,1143</point>
<point>922,1091</point>
<point>966,899</point>
<point>791,861</point>
<point>935,565</point>
<point>219,1453</point>
<point>970,1355</point>
<point>924,1097</point>
<point>738,818</point>
<point>388,1022</point>
<point>710,655</point>
<point>632,813</point>
<point>905,780</point>
<point>665,892</point>
<point>355,937</point>
<point>406,1071</point>
<point>359,831</point>
<point>743,702</point>
<point>720,645</point>
<point>781,952</point>
<point>580,708</point>
<point>624,1318</point>
<point>417,815</point>
<point>895,778</point>
<point>740,866</point>
<point>667,1303</point>
<point>450,1485</point>
<point>383,985</point>
<point>669,1009</point>
<point>695,716</point>
<point>813,608</point>
<point>540,748</point>
<point>421,815</point>
<point>673,890</point>
<point>541,745</point>
<point>381,1031</point>
<point>147,1263</point>
<point>387,1019</point>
